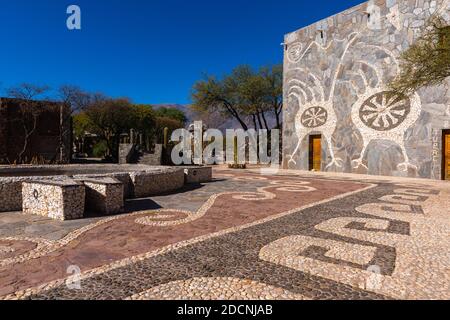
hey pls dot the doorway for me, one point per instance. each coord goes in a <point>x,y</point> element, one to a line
<point>446,154</point>
<point>315,152</point>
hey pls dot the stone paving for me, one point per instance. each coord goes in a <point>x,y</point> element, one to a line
<point>246,235</point>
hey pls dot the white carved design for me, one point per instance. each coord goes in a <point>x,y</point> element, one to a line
<point>316,112</point>
<point>294,52</point>
<point>314,117</point>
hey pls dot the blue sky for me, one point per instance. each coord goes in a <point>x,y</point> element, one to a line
<point>149,50</point>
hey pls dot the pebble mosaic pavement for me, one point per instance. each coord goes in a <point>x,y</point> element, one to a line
<point>243,236</point>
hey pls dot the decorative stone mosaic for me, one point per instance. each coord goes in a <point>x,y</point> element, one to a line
<point>198,174</point>
<point>336,76</point>
<point>138,180</point>
<point>104,195</point>
<point>287,236</point>
<point>60,200</point>
<point>146,184</point>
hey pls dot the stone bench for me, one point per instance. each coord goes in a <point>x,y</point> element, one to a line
<point>156,182</point>
<point>59,200</point>
<point>197,174</point>
<point>124,178</point>
<point>104,195</point>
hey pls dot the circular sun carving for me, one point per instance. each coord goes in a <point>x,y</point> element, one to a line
<point>294,52</point>
<point>314,117</point>
<point>385,111</point>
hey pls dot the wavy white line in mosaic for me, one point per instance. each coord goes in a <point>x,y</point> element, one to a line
<point>419,273</point>
<point>22,294</point>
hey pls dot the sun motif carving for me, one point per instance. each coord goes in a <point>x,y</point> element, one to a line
<point>294,52</point>
<point>314,117</point>
<point>385,111</point>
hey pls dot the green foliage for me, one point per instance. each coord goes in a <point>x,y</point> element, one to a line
<point>171,113</point>
<point>427,61</point>
<point>241,94</point>
<point>81,125</point>
<point>100,149</point>
<point>142,119</point>
<point>110,118</point>
<point>165,122</point>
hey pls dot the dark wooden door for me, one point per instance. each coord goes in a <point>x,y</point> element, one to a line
<point>447,155</point>
<point>315,153</point>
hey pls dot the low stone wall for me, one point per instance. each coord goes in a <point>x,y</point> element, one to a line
<point>11,191</point>
<point>123,177</point>
<point>197,174</point>
<point>104,195</point>
<point>138,180</point>
<point>60,200</point>
<point>147,184</point>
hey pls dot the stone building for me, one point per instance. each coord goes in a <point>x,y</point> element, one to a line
<point>52,122</point>
<point>338,113</point>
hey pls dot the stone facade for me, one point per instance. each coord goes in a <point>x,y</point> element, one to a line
<point>104,195</point>
<point>138,181</point>
<point>197,174</point>
<point>59,200</point>
<point>44,141</point>
<point>11,191</point>
<point>126,153</point>
<point>152,183</point>
<point>130,153</point>
<point>335,84</point>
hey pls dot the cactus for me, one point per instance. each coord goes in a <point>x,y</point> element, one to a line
<point>166,137</point>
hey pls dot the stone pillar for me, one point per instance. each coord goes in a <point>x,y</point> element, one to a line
<point>3,132</point>
<point>436,167</point>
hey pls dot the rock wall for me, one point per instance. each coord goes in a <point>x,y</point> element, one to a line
<point>59,200</point>
<point>104,196</point>
<point>336,75</point>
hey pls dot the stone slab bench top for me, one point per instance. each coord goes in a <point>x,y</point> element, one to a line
<point>100,180</point>
<point>57,183</point>
<point>21,171</point>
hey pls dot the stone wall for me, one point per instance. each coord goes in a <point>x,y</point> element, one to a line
<point>195,175</point>
<point>126,153</point>
<point>11,191</point>
<point>147,184</point>
<point>137,180</point>
<point>63,200</point>
<point>104,196</point>
<point>336,74</point>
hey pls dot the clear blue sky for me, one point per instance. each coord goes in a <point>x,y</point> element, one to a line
<point>149,50</point>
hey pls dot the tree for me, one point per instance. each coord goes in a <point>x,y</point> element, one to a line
<point>166,122</point>
<point>427,61</point>
<point>72,100</point>
<point>143,121</point>
<point>81,125</point>
<point>210,94</point>
<point>243,94</point>
<point>172,113</point>
<point>28,112</point>
<point>109,118</point>
<point>273,88</point>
